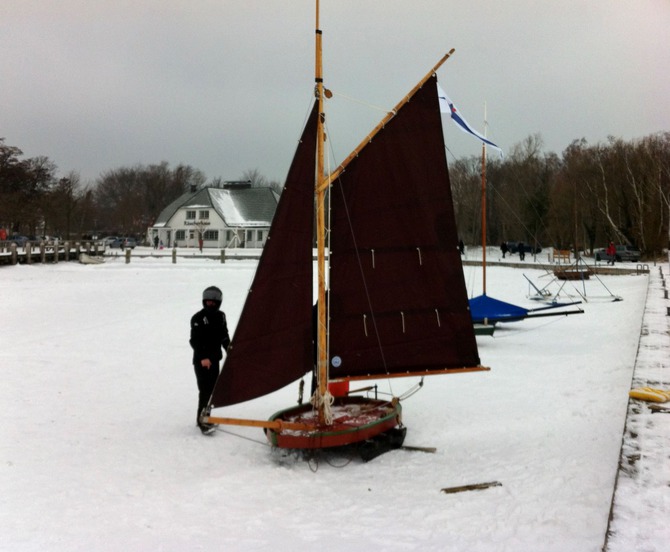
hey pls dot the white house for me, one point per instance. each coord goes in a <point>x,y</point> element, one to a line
<point>232,215</point>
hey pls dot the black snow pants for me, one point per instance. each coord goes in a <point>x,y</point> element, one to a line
<point>206,378</point>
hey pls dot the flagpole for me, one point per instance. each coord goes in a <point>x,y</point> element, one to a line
<point>484,207</point>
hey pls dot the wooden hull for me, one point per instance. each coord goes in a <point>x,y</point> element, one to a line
<point>572,274</point>
<point>355,419</point>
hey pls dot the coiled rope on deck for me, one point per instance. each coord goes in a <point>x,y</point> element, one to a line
<point>324,402</point>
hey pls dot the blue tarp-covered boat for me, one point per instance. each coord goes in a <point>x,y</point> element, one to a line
<point>487,310</point>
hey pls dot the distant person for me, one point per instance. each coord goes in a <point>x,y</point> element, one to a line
<point>522,251</point>
<point>209,334</point>
<point>611,253</point>
<point>461,246</point>
<point>156,241</point>
<point>504,248</point>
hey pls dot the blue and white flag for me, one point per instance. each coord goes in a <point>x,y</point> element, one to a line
<point>447,106</point>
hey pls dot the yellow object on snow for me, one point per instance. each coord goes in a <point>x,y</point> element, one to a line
<point>650,394</point>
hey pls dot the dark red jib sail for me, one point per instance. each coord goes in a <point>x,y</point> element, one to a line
<point>398,301</point>
<point>272,344</point>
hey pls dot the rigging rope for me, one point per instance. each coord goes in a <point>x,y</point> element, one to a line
<point>325,402</point>
<point>264,443</point>
<point>361,102</point>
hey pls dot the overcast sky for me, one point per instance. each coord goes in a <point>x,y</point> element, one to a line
<point>225,85</point>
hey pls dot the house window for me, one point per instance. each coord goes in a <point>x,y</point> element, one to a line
<point>180,235</point>
<point>203,214</point>
<point>190,215</point>
<point>211,235</point>
<point>259,235</point>
<point>250,235</point>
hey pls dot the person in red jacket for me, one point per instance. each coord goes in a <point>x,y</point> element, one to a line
<point>611,253</point>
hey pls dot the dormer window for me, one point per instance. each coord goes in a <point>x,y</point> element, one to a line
<point>190,215</point>
<point>203,215</point>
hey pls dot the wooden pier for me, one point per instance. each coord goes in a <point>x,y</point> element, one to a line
<point>11,254</point>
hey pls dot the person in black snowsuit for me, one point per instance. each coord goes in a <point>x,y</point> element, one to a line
<point>209,334</point>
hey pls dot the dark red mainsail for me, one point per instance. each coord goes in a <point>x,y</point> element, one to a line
<point>398,301</point>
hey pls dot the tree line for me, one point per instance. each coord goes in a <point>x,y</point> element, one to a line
<point>592,194</point>
<point>34,201</point>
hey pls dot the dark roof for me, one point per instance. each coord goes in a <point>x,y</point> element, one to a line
<point>238,207</point>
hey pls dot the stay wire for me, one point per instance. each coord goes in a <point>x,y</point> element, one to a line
<point>243,437</point>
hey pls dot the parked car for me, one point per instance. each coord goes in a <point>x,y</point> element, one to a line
<point>623,253</point>
<point>129,242</point>
<point>109,240</point>
<point>20,241</point>
<point>123,243</point>
<point>513,247</point>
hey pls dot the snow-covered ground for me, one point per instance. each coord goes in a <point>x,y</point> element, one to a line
<point>99,449</point>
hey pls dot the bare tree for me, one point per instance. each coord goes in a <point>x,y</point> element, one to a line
<point>256,178</point>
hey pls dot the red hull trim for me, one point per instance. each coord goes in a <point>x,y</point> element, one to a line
<point>356,419</point>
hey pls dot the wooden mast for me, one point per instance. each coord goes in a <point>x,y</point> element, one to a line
<point>320,192</point>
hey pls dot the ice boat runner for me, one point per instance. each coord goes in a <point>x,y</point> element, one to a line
<point>397,301</point>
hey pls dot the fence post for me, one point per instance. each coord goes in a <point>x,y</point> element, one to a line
<point>15,255</point>
<point>29,253</point>
<point>56,250</point>
<point>223,256</point>
<point>174,255</point>
<point>128,250</point>
<point>43,252</point>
